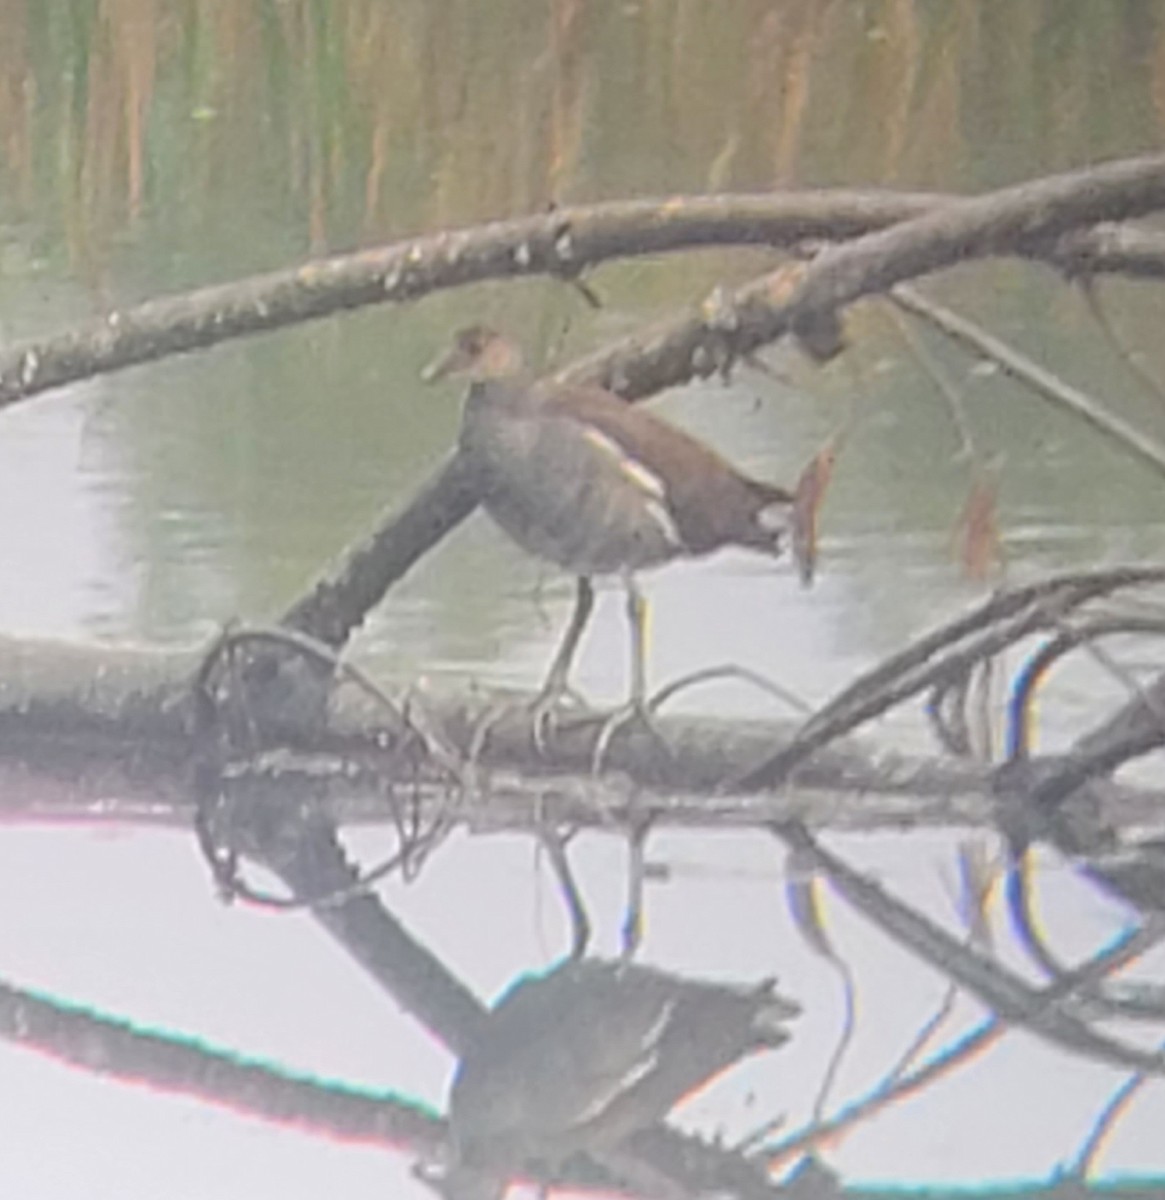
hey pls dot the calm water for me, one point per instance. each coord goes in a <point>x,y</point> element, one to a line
<point>162,144</point>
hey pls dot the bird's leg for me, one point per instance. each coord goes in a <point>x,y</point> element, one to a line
<point>542,707</point>
<point>636,707</point>
<point>556,687</point>
<point>632,933</point>
<point>584,603</point>
<point>554,844</point>
<point>637,617</point>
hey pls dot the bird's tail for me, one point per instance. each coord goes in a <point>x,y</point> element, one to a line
<point>771,516</point>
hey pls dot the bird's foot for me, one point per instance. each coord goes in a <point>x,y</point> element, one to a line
<point>482,728</point>
<point>544,711</point>
<point>554,842</point>
<point>546,708</point>
<point>635,710</point>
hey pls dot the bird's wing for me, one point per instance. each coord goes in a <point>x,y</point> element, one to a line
<point>622,1062</point>
<point>708,500</point>
<point>550,1088</point>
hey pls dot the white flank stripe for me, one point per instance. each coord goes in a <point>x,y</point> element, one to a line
<point>663,519</point>
<point>643,478</point>
<point>636,1071</point>
<point>773,517</point>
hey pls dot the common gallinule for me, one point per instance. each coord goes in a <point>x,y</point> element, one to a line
<point>582,1057</point>
<point>577,476</point>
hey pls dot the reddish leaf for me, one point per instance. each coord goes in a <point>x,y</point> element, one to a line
<point>978,543</point>
<point>807,500</point>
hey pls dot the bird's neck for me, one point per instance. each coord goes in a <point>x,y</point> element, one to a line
<point>512,393</point>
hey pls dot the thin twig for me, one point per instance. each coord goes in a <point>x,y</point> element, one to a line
<point>1125,352</point>
<point>941,378</point>
<point>1062,395</point>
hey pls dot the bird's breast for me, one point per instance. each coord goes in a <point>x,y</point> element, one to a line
<point>567,493</point>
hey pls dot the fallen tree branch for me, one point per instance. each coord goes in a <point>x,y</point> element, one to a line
<point>943,654</point>
<point>561,243</point>
<point>101,735</point>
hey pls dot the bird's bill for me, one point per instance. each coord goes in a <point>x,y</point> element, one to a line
<point>478,352</point>
<point>449,362</point>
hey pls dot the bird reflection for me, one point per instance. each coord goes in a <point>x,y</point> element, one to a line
<point>580,1058</point>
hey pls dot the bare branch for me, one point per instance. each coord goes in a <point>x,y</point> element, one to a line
<point>1046,385</point>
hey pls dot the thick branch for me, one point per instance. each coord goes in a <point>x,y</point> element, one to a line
<point>562,243</point>
<point>339,602</point>
<point>299,844</point>
<point>79,725</point>
<point>1025,219</point>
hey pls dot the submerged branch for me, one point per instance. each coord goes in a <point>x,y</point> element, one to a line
<point>75,746</point>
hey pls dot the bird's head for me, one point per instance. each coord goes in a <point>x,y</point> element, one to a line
<point>478,352</point>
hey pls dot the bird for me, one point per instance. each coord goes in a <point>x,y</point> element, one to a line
<point>578,477</point>
<point>581,1057</point>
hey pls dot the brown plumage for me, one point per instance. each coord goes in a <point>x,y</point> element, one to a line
<point>711,503</point>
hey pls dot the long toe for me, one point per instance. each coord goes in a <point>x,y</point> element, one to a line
<point>634,711</point>
<point>546,709</point>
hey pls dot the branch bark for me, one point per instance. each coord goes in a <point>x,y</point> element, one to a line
<point>561,243</point>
